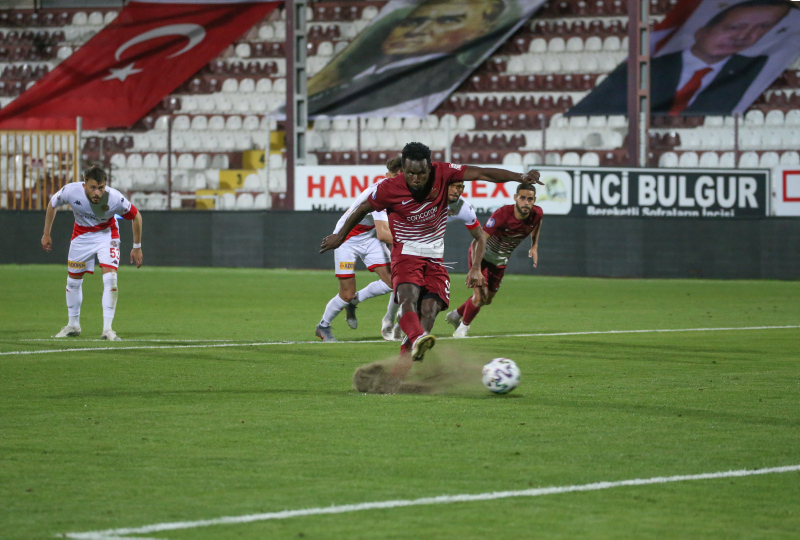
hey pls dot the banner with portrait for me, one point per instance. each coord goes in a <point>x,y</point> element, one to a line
<point>708,58</point>
<point>413,55</point>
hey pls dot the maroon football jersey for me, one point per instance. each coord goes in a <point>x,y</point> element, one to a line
<point>418,225</point>
<point>506,232</point>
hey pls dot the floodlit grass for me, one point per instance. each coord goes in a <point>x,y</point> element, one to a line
<point>106,439</point>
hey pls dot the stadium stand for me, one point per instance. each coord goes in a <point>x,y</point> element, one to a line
<point>219,116</point>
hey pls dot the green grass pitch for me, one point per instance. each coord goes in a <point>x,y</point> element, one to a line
<point>160,429</point>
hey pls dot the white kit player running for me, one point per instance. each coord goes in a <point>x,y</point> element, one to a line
<point>458,210</point>
<point>94,206</point>
<point>367,241</point>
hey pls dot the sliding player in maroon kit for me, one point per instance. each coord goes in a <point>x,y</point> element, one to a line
<point>417,203</point>
<point>504,230</point>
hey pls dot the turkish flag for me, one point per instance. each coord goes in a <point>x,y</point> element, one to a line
<point>125,70</point>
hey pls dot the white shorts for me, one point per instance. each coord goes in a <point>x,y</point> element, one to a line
<point>366,247</point>
<point>84,247</point>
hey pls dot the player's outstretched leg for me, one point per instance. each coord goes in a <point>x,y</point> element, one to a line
<point>324,333</point>
<point>74,300</point>
<point>110,294</point>
<point>454,318</point>
<point>350,314</point>
<point>423,344</point>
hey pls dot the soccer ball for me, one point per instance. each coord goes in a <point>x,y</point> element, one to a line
<point>501,375</point>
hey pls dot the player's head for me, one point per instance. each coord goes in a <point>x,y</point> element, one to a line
<point>416,165</point>
<point>94,183</point>
<point>454,191</point>
<point>524,198</point>
<point>737,28</point>
<point>442,26</point>
<point>394,167</point>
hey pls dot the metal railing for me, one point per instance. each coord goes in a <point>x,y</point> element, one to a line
<point>34,165</point>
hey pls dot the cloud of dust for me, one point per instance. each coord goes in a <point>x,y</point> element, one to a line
<point>445,370</point>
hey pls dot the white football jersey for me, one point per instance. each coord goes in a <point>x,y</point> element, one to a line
<point>91,217</point>
<point>367,225</point>
<point>461,210</point>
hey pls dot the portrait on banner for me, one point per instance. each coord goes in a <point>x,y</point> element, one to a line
<point>716,58</point>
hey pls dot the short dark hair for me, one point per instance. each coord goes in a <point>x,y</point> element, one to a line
<point>96,173</point>
<point>394,165</point>
<point>416,151</point>
<point>719,17</point>
<point>526,186</point>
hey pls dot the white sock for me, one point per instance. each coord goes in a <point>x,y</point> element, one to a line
<point>74,300</point>
<point>391,310</point>
<point>109,298</point>
<point>334,307</point>
<point>376,288</point>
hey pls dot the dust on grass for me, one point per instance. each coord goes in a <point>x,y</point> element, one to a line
<point>444,370</point>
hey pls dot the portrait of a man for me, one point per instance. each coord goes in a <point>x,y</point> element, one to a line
<point>414,55</point>
<point>709,77</point>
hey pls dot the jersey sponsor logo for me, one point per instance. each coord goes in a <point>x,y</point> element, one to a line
<point>421,208</point>
<point>75,265</point>
<point>347,265</point>
<point>490,223</point>
<point>456,166</point>
<point>423,216</point>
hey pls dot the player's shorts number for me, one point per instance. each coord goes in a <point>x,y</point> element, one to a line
<point>114,254</point>
<point>447,286</point>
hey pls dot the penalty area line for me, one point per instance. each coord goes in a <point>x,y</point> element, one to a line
<point>210,345</point>
<point>426,501</point>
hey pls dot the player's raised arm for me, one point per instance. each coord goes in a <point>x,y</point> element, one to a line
<point>136,252</point>
<point>498,176</point>
<point>333,241</point>
<point>47,241</point>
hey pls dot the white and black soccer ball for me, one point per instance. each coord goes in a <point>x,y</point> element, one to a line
<point>501,375</point>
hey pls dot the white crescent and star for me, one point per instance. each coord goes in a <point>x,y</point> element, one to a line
<point>193,32</point>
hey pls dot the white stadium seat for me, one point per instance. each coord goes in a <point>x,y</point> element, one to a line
<point>244,201</point>
<point>118,161</point>
<point>688,160</point>
<point>790,159</point>
<point>150,161</point>
<point>230,86</point>
<point>727,160</point>
<point>199,123</point>
<point>261,202</point>
<point>590,159</point>
<point>668,160</point>
<point>769,160</point>
<point>512,158</point>
<point>185,161</point>
<point>233,123</point>
<point>80,19</point>
<point>748,160</point>
<point>709,160</point>
<point>95,18</point>
<point>134,161</point>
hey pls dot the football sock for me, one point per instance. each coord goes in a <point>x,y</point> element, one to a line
<point>334,307</point>
<point>109,298</point>
<point>74,300</point>
<point>470,311</point>
<point>391,310</point>
<point>409,322</point>
<point>376,288</point>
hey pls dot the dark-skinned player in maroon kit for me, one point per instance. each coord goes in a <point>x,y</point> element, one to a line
<point>416,202</point>
<point>507,227</point>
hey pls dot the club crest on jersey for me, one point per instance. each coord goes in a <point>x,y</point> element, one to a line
<point>490,223</point>
<point>113,243</point>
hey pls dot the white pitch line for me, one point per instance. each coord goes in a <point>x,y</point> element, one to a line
<point>373,341</point>
<point>116,534</point>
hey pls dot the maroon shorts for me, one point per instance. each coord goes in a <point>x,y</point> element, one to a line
<point>492,273</point>
<point>429,274</point>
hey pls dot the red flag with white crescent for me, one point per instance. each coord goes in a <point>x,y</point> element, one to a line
<point>124,71</point>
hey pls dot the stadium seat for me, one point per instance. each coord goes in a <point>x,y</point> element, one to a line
<point>199,123</point>
<point>264,85</point>
<point>748,160</point>
<point>709,160</point>
<point>668,160</point>
<point>150,161</point>
<point>466,122</point>
<point>211,143</point>
<point>134,161</point>
<point>261,202</point>
<point>118,161</point>
<point>790,159</point>
<point>532,158</point>
<point>185,161</point>
<point>590,159</point>
<point>688,160</point>
<point>552,158</point>
<point>754,118</point>
<point>774,118</point>
<point>80,19</point>
<point>162,161</point>
<point>769,160</point>
<point>374,123</point>
<point>216,123</point>
<point>727,160</point>
<point>233,123</point>
<point>95,19</point>
<point>570,159</point>
<point>792,118</point>
<point>247,85</point>
<point>181,123</point>
<point>242,50</point>
<point>227,201</point>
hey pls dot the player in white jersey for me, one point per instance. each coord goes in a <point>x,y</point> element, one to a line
<point>94,206</point>
<point>367,241</point>
<point>458,209</point>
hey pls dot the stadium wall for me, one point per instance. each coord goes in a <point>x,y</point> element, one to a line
<point>570,246</point>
